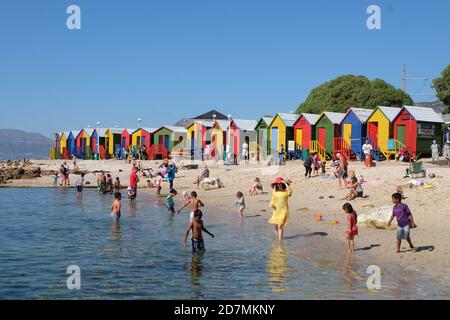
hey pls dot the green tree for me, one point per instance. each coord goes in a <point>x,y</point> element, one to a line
<point>347,91</point>
<point>442,86</point>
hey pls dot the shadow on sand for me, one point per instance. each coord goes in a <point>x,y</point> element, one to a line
<point>307,235</point>
<point>369,247</point>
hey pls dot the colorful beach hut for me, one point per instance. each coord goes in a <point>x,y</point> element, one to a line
<point>198,135</point>
<point>142,140</point>
<point>71,142</point>
<point>83,144</point>
<point>354,131</point>
<point>380,130</point>
<point>415,128</point>
<point>218,139</point>
<point>304,130</point>
<point>242,130</point>
<point>99,137</point>
<point>326,128</point>
<point>262,136</point>
<point>125,138</point>
<point>63,145</point>
<point>113,141</point>
<point>281,131</point>
<point>166,140</point>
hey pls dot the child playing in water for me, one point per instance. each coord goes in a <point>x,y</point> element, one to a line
<point>197,227</point>
<point>116,206</point>
<point>117,185</point>
<point>405,221</point>
<point>186,196</point>
<point>131,194</point>
<point>352,229</point>
<point>240,202</point>
<point>109,183</point>
<point>55,180</point>
<point>157,184</point>
<point>170,204</point>
<point>195,205</point>
<point>79,184</point>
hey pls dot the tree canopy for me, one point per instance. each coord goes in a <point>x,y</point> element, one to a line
<point>442,86</point>
<point>348,91</point>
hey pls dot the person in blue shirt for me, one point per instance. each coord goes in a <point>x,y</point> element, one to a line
<point>171,175</point>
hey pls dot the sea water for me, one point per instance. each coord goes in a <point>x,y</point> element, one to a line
<point>44,231</point>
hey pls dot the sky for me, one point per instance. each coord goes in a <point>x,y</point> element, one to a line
<point>170,59</point>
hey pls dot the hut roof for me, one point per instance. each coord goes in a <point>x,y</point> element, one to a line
<point>243,124</point>
<point>288,118</point>
<point>390,112</point>
<point>334,117</point>
<point>424,114</point>
<point>361,113</point>
<point>310,117</point>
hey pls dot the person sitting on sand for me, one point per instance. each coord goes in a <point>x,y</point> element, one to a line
<point>196,226</point>
<point>352,228</point>
<point>204,174</point>
<point>195,205</point>
<point>256,188</point>
<point>356,190</point>
<point>279,205</point>
<point>405,221</point>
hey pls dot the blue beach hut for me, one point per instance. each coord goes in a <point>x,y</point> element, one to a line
<point>354,130</point>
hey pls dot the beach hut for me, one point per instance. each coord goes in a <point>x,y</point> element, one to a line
<point>168,139</point>
<point>125,138</point>
<point>142,140</point>
<point>281,131</point>
<point>415,128</point>
<point>63,145</point>
<point>262,136</point>
<point>113,141</point>
<point>71,143</point>
<point>198,135</point>
<point>83,144</point>
<point>304,130</point>
<point>218,139</point>
<point>326,128</point>
<point>354,131</point>
<point>99,137</point>
<point>380,130</point>
<point>243,131</point>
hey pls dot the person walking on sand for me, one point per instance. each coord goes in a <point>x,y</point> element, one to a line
<point>352,228</point>
<point>367,149</point>
<point>343,170</point>
<point>405,221</point>
<point>307,163</point>
<point>435,152</point>
<point>279,204</point>
<point>171,175</point>
<point>195,205</point>
<point>196,226</point>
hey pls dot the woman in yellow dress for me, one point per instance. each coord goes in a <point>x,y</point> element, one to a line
<point>279,204</point>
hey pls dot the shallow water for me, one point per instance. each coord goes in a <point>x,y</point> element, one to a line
<point>43,231</point>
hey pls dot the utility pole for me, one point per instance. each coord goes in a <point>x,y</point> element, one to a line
<point>405,78</point>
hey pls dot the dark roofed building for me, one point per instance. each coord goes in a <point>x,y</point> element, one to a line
<point>206,116</point>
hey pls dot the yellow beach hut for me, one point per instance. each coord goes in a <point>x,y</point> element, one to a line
<point>113,141</point>
<point>218,139</point>
<point>63,144</point>
<point>281,131</point>
<point>380,130</point>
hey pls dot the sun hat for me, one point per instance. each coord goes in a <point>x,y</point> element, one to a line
<point>277,181</point>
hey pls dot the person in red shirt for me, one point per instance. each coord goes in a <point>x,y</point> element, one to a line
<point>133,183</point>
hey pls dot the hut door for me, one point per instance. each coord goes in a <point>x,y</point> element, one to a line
<point>299,137</point>
<point>347,134</point>
<point>274,140</point>
<point>401,133</point>
<point>322,136</point>
<point>192,140</point>
<point>373,131</point>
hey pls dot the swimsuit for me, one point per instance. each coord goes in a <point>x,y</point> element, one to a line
<point>115,216</point>
<point>198,245</point>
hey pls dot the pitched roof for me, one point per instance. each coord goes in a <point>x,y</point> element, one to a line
<point>175,129</point>
<point>89,131</point>
<point>362,114</point>
<point>334,117</point>
<point>74,133</point>
<point>209,115</point>
<point>243,124</point>
<point>116,130</point>
<point>424,114</point>
<point>390,112</point>
<point>288,118</point>
<point>223,124</point>
<point>310,117</point>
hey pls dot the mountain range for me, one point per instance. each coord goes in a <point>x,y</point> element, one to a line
<point>17,144</point>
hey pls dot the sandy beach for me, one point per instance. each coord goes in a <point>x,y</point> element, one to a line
<point>311,197</point>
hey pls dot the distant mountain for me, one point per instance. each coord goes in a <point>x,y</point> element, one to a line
<point>17,144</point>
<point>437,106</point>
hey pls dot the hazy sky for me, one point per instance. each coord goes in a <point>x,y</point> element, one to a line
<point>168,59</point>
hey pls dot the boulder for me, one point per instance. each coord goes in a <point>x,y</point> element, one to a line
<point>377,218</point>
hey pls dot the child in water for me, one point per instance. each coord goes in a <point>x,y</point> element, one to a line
<point>157,183</point>
<point>170,204</point>
<point>195,205</point>
<point>405,221</point>
<point>197,227</point>
<point>352,228</point>
<point>117,185</point>
<point>240,202</point>
<point>79,184</point>
<point>116,206</point>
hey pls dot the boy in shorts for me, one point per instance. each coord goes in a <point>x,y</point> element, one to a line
<point>197,227</point>
<point>405,221</point>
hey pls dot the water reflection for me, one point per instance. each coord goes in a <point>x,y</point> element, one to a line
<point>132,208</point>
<point>278,267</point>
